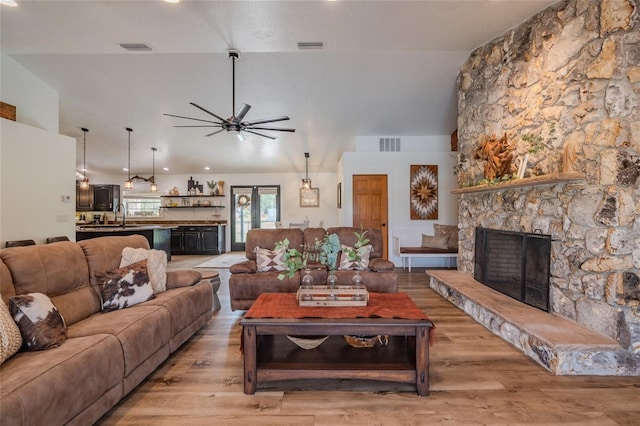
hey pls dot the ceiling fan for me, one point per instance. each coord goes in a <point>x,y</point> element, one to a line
<point>235,123</point>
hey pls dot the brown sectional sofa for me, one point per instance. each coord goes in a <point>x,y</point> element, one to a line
<point>246,284</point>
<point>106,355</point>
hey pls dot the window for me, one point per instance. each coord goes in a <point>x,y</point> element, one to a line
<point>142,205</point>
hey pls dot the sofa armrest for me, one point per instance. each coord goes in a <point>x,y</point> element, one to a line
<point>378,264</point>
<point>183,278</point>
<point>246,267</point>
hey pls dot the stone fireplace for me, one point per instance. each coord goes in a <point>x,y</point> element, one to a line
<point>565,84</point>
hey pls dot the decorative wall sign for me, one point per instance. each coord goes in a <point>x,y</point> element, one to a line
<point>423,200</point>
<point>310,197</point>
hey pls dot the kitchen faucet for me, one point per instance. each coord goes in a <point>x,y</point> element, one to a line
<point>124,214</point>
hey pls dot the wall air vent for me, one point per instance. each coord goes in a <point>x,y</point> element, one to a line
<point>390,145</point>
<point>136,47</point>
<point>310,44</point>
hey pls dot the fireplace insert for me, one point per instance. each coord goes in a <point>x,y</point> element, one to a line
<point>514,263</point>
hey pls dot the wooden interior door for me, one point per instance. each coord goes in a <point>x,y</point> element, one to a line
<point>370,205</point>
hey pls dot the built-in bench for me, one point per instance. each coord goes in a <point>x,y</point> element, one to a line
<point>411,252</point>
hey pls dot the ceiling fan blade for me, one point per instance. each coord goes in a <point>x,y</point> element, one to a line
<point>214,133</point>
<point>211,125</point>
<point>266,120</point>
<point>259,134</point>
<point>244,109</point>
<point>269,128</point>
<point>191,118</point>
<point>207,111</point>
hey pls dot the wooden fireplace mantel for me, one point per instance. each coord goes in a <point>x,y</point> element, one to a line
<point>550,179</point>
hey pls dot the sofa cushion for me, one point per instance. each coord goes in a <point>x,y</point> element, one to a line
<point>39,269</point>
<point>449,231</point>
<point>10,337</point>
<point>184,278</point>
<point>125,287</point>
<point>104,253</point>
<point>378,265</point>
<point>39,321</point>
<point>267,238</point>
<point>270,260</point>
<point>142,331</point>
<point>434,242</point>
<point>156,265</point>
<point>55,387</point>
<point>245,267</point>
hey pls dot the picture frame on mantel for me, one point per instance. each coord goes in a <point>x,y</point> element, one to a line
<point>310,197</point>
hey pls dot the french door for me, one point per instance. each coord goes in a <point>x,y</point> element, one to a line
<point>256,206</point>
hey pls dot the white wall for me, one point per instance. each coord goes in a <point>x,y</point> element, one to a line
<point>36,103</point>
<point>37,171</point>
<point>396,165</point>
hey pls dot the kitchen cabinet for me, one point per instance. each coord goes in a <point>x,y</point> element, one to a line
<point>84,198</point>
<point>97,198</point>
<point>106,197</point>
<point>205,239</point>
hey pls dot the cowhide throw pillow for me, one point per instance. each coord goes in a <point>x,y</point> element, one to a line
<point>156,265</point>
<point>270,260</point>
<point>125,287</point>
<point>364,252</point>
<point>40,323</point>
<point>10,337</point>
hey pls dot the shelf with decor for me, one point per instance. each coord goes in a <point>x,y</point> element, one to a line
<point>192,201</point>
<point>550,179</point>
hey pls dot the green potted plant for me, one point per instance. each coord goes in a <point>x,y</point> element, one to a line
<point>292,258</point>
<point>213,187</point>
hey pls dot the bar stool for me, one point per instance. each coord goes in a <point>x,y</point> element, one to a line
<point>56,239</point>
<point>20,243</point>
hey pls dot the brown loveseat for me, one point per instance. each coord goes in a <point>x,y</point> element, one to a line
<point>246,283</point>
<point>105,355</point>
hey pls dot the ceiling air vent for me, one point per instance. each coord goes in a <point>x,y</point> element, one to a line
<point>136,47</point>
<point>310,44</point>
<point>390,145</point>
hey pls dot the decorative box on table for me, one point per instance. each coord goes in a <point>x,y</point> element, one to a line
<point>338,296</point>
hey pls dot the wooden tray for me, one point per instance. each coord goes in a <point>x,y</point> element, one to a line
<point>340,296</point>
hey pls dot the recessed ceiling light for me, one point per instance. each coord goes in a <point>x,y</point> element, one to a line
<point>207,168</point>
<point>166,169</point>
<point>11,3</point>
<point>172,1</point>
<point>124,169</point>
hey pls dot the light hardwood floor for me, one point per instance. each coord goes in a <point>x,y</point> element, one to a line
<point>476,378</point>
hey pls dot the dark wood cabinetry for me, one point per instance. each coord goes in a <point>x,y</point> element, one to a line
<point>198,240</point>
<point>98,198</point>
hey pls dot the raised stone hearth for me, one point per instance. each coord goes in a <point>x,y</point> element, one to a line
<point>559,345</point>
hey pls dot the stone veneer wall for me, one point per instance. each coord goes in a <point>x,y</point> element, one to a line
<point>570,74</point>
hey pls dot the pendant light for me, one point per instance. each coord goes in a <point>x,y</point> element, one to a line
<point>84,183</point>
<point>306,182</point>
<point>129,182</point>
<point>152,179</point>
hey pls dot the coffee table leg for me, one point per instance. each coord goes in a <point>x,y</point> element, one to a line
<point>422,360</point>
<point>250,359</point>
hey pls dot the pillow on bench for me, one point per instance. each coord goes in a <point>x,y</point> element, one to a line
<point>439,242</point>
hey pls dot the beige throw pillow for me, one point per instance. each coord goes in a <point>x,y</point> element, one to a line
<point>449,231</point>
<point>156,265</point>
<point>364,252</point>
<point>434,242</point>
<point>10,337</point>
<point>270,260</point>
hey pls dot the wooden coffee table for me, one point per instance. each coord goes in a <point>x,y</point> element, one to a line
<point>270,356</point>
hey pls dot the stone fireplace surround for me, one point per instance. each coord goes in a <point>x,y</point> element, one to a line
<point>569,75</point>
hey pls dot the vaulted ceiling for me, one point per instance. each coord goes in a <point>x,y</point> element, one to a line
<point>388,68</point>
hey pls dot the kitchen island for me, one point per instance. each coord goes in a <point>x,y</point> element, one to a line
<point>159,236</point>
